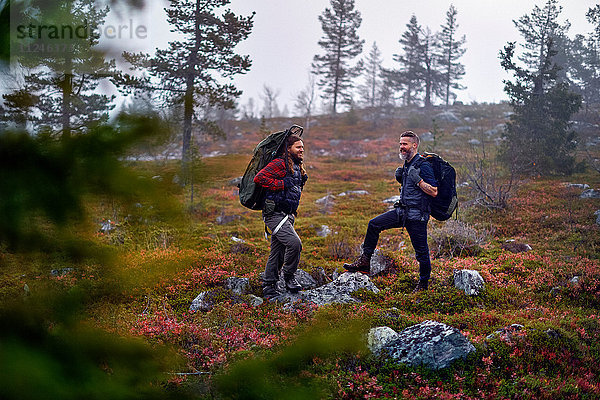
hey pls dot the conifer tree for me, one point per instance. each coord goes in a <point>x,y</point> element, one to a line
<point>432,77</point>
<point>538,136</point>
<point>451,49</point>
<point>371,89</point>
<point>189,68</point>
<point>59,91</point>
<point>539,29</point>
<point>341,44</point>
<point>409,76</point>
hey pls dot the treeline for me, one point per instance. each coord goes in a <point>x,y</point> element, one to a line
<point>190,83</point>
<point>427,69</point>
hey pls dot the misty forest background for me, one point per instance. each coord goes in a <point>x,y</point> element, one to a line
<point>114,218</point>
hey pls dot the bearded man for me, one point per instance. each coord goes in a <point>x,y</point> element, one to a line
<point>411,211</point>
<point>284,179</point>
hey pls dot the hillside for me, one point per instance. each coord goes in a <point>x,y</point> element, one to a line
<point>535,328</point>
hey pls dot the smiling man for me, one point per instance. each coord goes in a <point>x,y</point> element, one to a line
<point>284,179</point>
<point>411,211</point>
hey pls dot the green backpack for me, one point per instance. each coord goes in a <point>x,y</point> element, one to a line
<point>252,196</point>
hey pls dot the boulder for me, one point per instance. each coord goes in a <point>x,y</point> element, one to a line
<point>590,194</point>
<point>202,302</point>
<point>237,285</point>
<point>378,337</point>
<point>304,279</point>
<point>515,247</point>
<point>469,281</point>
<point>597,214</point>
<point>338,291</point>
<point>381,264</point>
<point>430,343</point>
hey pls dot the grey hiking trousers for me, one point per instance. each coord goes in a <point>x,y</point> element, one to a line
<point>285,247</point>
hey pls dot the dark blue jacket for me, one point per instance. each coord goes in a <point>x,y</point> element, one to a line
<point>415,202</point>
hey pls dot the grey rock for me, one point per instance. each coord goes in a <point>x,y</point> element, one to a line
<point>354,193</point>
<point>577,185</point>
<point>201,303</point>
<point>392,200</point>
<point>597,214</point>
<point>381,264</point>
<point>447,116</point>
<point>574,281</point>
<point>304,279</point>
<point>474,142</point>
<point>237,285</point>
<point>106,226</point>
<point>515,247</point>
<point>430,343</point>
<point>379,337</point>
<point>324,231</point>
<point>469,281</point>
<point>590,194</point>
<point>255,301</point>
<point>61,272</point>
<point>329,199</point>
<point>339,291</point>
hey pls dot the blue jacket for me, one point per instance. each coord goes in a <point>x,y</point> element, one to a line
<point>416,203</point>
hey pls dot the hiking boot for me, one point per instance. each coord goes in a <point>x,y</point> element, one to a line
<point>421,286</point>
<point>292,284</point>
<point>270,290</point>
<point>361,264</point>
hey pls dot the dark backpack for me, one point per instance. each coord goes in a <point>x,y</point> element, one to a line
<point>445,203</point>
<point>252,196</point>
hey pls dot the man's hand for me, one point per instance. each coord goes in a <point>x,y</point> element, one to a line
<point>398,174</point>
<point>414,175</point>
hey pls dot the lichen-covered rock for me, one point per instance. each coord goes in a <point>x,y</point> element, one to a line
<point>337,291</point>
<point>430,343</point>
<point>469,281</point>
<point>378,337</point>
<point>237,285</point>
<point>381,264</point>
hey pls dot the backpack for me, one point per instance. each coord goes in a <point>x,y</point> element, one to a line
<point>446,202</point>
<point>252,196</point>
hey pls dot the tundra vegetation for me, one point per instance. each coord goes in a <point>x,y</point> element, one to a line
<point>115,318</point>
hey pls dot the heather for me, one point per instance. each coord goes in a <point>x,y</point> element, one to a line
<point>535,327</point>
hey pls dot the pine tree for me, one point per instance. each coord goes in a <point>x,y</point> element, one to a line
<point>538,136</point>
<point>451,49</point>
<point>584,61</point>
<point>341,44</point>
<point>371,90</point>
<point>409,75</point>
<point>539,29</point>
<point>59,92</point>
<point>188,68</point>
<point>432,77</point>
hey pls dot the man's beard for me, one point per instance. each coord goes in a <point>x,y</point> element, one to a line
<point>404,156</point>
<point>295,159</point>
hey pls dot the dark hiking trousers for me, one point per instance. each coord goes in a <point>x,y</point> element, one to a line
<point>285,247</point>
<point>417,230</point>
